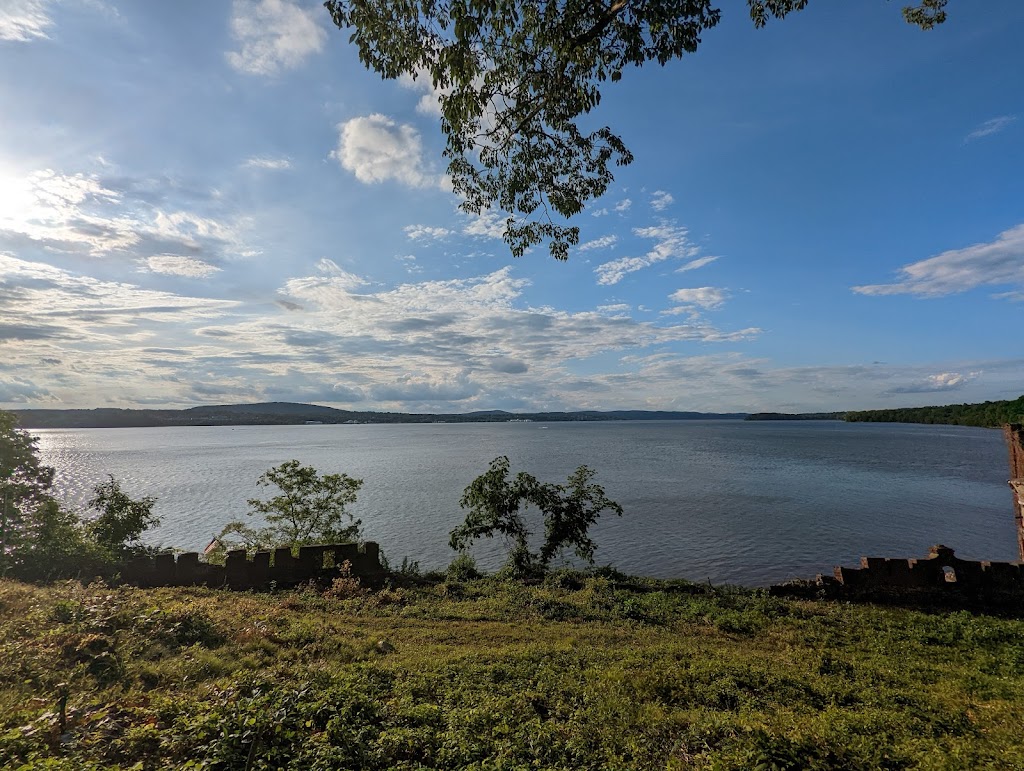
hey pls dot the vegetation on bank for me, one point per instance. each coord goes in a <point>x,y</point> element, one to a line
<point>984,415</point>
<point>578,671</point>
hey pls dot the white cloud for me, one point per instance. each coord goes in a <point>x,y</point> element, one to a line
<point>959,270</point>
<point>177,265</point>
<point>274,35</point>
<point>73,306</point>
<point>425,233</point>
<point>24,20</point>
<point>944,381</point>
<point>615,308</point>
<point>429,103</point>
<point>660,200</point>
<point>270,164</point>
<point>80,213</point>
<point>623,205</point>
<point>339,277</point>
<point>599,243</point>
<point>707,297</point>
<point>490,224</point>
<point>602,212</point>
<point>671,242</point>
<point>376,149</point>
<point>990,127</point>
<point>700,262</point>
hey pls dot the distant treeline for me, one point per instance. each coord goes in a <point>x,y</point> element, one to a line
<point>986,414</point>
<point>290,413</point>
<point>795,416</point>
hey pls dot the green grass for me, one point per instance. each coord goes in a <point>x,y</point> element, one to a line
<point>575,673</point>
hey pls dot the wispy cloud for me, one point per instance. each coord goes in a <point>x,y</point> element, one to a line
<point>489,224</point>
<point>24,20</point>
<point>270,164</point>
<point>85,214</point>
<point>376,149</point>
<point>700,262</point>
<point>944,381</point>
<point>990,127</point>
<point>615,308</point>
<point>599,243</point>
<point>274,35</point>
<point>997,262</point>
<point>671,242</point>
<point>178,265</point>
<point>660,200</point>
<point>426,233</point>
<point>706,297</point>
<point>623,206</point>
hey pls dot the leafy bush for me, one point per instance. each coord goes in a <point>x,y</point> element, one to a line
<point>463,568</point>
<point>121,520</point>
<point>40,539</point>
<point>495,502</point>
<point>310,509</point>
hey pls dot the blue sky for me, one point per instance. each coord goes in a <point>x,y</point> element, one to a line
<point>210,202</point>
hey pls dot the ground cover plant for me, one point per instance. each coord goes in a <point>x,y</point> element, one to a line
<point>580,670</point>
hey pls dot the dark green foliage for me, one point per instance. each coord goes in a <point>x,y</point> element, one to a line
<point>39,539</point>
<point>516,78</point>
<point>25,503</point>
<point>310,509</point>
<point>986,414</point>
<point>121,521</point>
<point>495,506</point>
<point>463,568</point>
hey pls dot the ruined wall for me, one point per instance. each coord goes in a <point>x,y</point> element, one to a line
<point>255,571</point>
<point>1014,435</point>
<point>941,571</point>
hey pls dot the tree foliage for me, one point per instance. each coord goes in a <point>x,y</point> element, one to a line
<point>985,414</point>
<point>121,520</point>
<point>496,504</point>
<point>24,495</point>
<point>309,509</point>
<point>515,77</point>
<point>41,539</point>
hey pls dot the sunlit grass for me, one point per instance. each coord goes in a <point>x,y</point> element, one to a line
<point>577,672</point>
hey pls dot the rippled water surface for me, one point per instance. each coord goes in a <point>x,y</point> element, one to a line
<point>729,501</point>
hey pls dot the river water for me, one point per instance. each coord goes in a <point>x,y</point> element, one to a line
<point>726,501</point>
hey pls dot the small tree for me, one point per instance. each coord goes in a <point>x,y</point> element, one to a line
<point>24,492</point>
<point>311,509</point>
<point>495,504</point>
<point>121,520</point>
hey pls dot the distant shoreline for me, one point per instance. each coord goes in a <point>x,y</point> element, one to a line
<point>294,414</point>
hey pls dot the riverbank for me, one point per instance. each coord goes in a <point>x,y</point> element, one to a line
<point>578,672</point>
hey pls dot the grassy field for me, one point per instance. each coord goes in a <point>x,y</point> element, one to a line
<point>578,672</point>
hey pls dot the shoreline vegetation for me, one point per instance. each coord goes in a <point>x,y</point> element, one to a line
<point>991,414</point>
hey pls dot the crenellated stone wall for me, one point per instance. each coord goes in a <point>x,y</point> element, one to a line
<point>942,570</point>
<point>259,570</point>
<point>941,580</point>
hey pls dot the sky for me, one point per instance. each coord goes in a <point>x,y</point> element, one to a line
<point>209,202</point>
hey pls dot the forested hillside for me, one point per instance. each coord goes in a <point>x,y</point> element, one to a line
<point>986,414</point>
